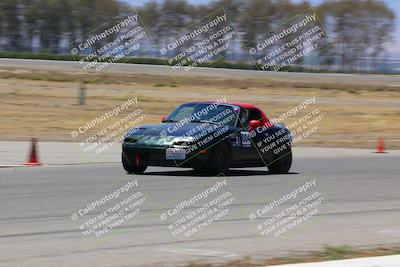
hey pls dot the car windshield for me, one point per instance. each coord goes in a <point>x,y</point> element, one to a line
<point>204,112</point>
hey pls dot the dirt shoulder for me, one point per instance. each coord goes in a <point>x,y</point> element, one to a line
<point>44,103</point>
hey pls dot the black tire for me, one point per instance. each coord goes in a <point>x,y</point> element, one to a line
<point>130,168</point>
<point>283,163</point>
<point>219,159</point>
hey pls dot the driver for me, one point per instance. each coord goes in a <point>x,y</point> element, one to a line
<point>244,117</point>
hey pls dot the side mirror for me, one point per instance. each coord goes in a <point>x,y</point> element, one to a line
<point>254,124</point>
<point>164,118</point>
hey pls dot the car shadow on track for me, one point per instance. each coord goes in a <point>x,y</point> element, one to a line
<point>230,173</point>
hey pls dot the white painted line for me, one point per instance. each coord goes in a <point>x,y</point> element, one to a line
<point>12,166</point>
<point>383,261</point>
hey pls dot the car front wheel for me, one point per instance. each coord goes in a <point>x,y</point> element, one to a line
<point>219,159</point>
<point>130,168</point>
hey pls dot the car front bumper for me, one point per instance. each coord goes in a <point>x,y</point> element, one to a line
<point>156,156</point>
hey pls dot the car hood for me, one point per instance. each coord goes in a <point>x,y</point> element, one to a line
<point>171,129</point>
<point>166,134</point>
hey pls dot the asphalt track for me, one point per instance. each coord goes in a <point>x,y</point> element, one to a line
<point>361,209</point>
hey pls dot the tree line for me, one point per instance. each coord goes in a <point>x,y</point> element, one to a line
<point>357,28</point>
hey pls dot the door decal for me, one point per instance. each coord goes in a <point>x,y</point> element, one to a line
<point>246,142</point>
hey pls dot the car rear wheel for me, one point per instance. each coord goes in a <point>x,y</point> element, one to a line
<point>219,159</point>
<point>282,164</point>
<point>131,168</point>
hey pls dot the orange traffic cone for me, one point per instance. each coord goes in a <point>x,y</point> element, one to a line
<point>33,158</point>
<point>380,146</point>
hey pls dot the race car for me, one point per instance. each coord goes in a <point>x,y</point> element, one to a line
<point>210,137</point>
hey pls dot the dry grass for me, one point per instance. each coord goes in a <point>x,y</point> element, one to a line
<point>43,104</point>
